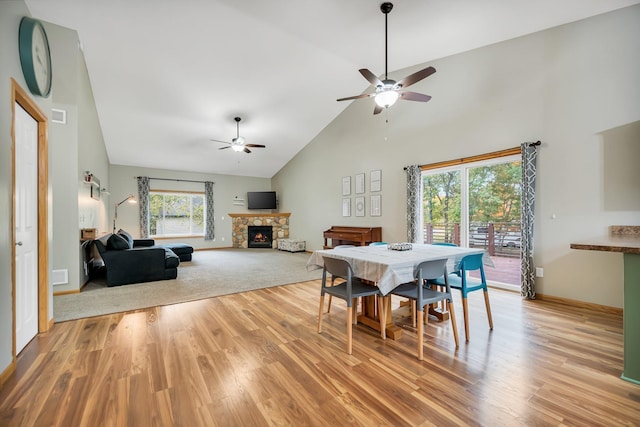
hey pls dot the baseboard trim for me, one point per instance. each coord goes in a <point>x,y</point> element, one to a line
<point>212,249</point>
<point>4,376</point>
<point>581,304</point>
<point>72,291</point>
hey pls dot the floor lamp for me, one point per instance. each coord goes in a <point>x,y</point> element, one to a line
<point>131,199</point>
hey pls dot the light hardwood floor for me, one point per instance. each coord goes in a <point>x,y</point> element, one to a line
<point>255,358</point>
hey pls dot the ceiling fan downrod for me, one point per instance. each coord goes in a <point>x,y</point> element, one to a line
<point>386,7</point>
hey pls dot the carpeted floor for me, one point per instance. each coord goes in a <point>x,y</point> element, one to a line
<point>209,274</point>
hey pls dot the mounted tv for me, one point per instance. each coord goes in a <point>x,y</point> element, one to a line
<point>261,200</point>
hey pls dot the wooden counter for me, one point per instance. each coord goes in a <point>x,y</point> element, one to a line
<point>626,240</point>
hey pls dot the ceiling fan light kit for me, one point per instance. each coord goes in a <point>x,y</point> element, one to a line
<point>238,144</point>
<point>388,91</point>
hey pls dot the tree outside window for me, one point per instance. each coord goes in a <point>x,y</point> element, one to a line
<point>176,214</point>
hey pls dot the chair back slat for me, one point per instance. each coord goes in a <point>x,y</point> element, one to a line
<point>471,262</point>
<point>344,246</point>
<point>430,270</point>
<point>337,267</point>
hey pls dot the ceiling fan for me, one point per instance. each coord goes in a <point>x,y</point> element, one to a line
<point>388,91</point>
<point>238,144</point>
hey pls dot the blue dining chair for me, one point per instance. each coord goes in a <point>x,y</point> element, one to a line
<point>423,296</point>
<point>349,290</point>
<point>467,284</point>
<point>442,244</point>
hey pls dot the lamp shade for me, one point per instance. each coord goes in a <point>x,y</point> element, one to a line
<point>386,98</point>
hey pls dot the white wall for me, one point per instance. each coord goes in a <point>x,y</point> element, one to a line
<point>571,87</point>
<point>226,188</point>
<point>74,147</point>
<point>10,15</point>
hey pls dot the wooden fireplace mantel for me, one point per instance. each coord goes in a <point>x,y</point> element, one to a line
<point>259,215</point>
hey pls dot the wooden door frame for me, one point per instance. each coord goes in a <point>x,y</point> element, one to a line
<point>19,96</point>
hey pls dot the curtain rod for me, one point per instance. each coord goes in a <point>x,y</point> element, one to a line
<point>478,157</point>
<point>177,180</point>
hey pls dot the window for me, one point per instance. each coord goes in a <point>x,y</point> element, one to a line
<point>176,214</point>
<point>477,204</point>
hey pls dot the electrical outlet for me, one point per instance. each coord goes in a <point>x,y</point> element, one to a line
<point>539,272</point>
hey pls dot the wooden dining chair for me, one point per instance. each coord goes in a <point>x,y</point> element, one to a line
<point>423,296</point>
<point>460,280</point>
<point>349,290</point>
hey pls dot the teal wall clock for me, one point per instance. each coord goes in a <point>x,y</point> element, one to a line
<point>35,57</point>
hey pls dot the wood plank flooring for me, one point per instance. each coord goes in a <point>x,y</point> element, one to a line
<point>255,359</point>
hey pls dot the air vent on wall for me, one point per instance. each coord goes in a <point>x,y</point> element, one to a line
<point>58,116</point>
<point>60,277</point>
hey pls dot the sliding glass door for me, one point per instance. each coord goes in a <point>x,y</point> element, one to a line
<point>477,205</point>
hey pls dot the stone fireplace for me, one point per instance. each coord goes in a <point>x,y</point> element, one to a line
<point>260,236</point>
<point>240,223</point>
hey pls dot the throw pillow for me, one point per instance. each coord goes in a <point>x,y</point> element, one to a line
<point>127,237</point>
<point>117,242</point>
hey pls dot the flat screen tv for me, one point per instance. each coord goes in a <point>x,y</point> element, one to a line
<point>261,200</point>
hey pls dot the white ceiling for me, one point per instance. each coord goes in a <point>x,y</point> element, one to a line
<point>169,75</point>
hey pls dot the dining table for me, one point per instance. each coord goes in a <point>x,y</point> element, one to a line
<point>388,268</point>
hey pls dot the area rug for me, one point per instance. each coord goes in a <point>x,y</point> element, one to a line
<point>209,274</point>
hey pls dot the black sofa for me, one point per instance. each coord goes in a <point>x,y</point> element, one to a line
<point>129,260</point>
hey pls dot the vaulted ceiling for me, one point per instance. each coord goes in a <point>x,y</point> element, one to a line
<point>170,75</point>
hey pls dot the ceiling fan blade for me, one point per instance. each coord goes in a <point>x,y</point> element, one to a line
<point>365,95</point>
<point>377,110</point>
<point>255,145</point>
<point>372,78</point>
<point>414,96</point>
<point>246,150</point>
<point>416,77</point>
<point>222,148</point>
<point>217,140</point>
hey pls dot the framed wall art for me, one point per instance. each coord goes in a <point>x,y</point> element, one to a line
<point>346,186</point>
<point>375,180</point>
<point>360,183</point>
<point>346,207</point>
<point>375,208</point>
<point>359,206</point>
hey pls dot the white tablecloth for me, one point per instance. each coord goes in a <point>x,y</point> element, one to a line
<point>388,268</point>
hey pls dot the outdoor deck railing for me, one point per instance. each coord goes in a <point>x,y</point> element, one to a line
<point>499,239</point>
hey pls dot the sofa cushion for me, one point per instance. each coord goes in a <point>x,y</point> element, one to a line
<point>183,250</point>
<point>127,237</point>
<point>117,243</point>
<point>171,260</point>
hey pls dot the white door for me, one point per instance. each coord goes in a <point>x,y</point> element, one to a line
<point>26,226</point>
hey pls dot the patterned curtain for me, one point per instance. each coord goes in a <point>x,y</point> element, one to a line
<point>414,197</point>
<point>143,201</point>
<point>527,269</point>
<point>209,231</point>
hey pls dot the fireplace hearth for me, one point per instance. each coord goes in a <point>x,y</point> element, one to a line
<point>260,236</point>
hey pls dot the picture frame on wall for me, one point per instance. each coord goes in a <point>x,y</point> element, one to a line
<point>360,183</point>
<point>346,186</point>
<point>375,208</point>
<point>359,206</point>
<point>375,180</point>
<point>346,207</point>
